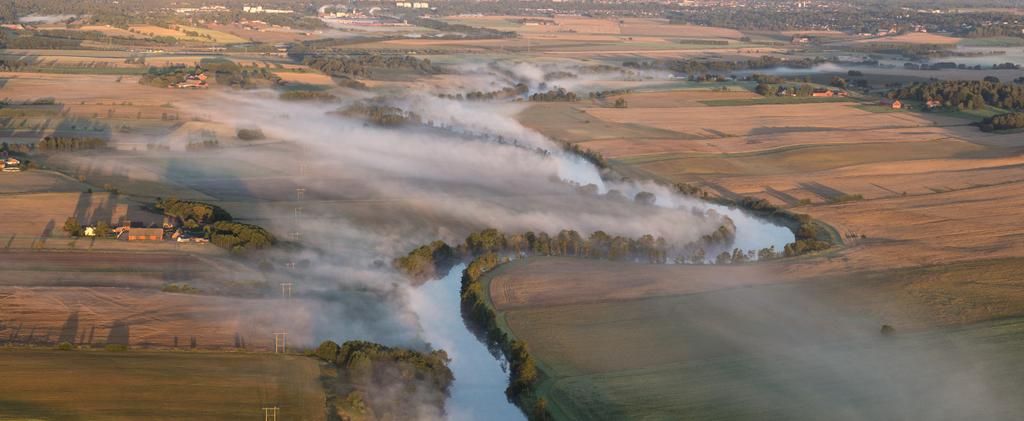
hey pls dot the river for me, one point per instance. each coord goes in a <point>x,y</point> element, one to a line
<point>480,378</point>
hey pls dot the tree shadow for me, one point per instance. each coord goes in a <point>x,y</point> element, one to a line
<point>14,333</point>
<point>82,208</point>
<point>722,191</point>
<point>82,127</point>
<point>785,197</point>
<point>69,331</point>
<point>822,190</point>
<point>119,333</point>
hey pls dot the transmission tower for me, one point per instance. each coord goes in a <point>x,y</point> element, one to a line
<point>280,342</point>
<point>270,413</point>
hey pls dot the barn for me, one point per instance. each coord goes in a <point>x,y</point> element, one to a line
<point>144,234</point>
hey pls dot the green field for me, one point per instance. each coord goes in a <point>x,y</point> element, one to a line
<point>975,115</point>
<point>101,385</point>
<point>992,42</point>
<point>788,351</point>
<point>218,36</point>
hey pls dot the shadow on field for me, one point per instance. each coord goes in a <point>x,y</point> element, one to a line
<point>47,230</point>
<point>69,331</point>
<point>785,197</point>
<point>119,333</point>
<point>822,190</point>
<point>722,191</point>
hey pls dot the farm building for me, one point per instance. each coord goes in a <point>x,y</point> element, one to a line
<point>145,234</point>
<point>11,164</point>
<point>828,93</point>
<point>892,103</point>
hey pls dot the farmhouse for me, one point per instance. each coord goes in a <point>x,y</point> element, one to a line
<point>145,234</point>
<point>11,164</point>
<point>828,93</point>
<point>892,103</point>
<point>932,103</point>
<point>196,81</point>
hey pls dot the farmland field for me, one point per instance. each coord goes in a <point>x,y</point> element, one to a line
<point>632,340</point>
<point>338,150</point>
<point>101,385</point>
<point>97,316</point>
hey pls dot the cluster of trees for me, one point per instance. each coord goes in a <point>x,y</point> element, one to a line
<point>366,65</point>
<point>482,320</point>
<point>229,73</point>
<point>381,115</point>
<point>807,241</point>
<point>193,215</point>
<point>65,144</point>
<point>765,89</point>
<point>12,65</point>
<point>239,238</point>
<point>217,225</point>
<point>36,42</point>
<point>432,259</point>
<point>965,94</point>
<point>307,95</point>
<point>20,148</point>
<point>426,262</point>
<point>164,76</point>
<point>468,32</point>
<point>706,67</point>
<point>909,51</point>
<point>250,133</point>
<point>554,95</point>
<point>589,155</point>
<point>518,90</point>
<point>203,144</point>
<point>366,368</point>
<point>1007,121</point>
<point>708,77</point>
<point>852,17</point>
<point>75,229</point>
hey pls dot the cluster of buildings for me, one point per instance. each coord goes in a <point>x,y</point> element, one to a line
<point>195,80</point>
<point>130,233</point>
<point>412,5</point>
<point>829,93</point>
<point>260,9</point>
<point>204,9</point>
<point>11,164</point>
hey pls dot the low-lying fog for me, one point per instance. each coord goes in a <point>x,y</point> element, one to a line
<point>374,193</point>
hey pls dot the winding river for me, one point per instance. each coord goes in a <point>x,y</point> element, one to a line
<point>480,378</point>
